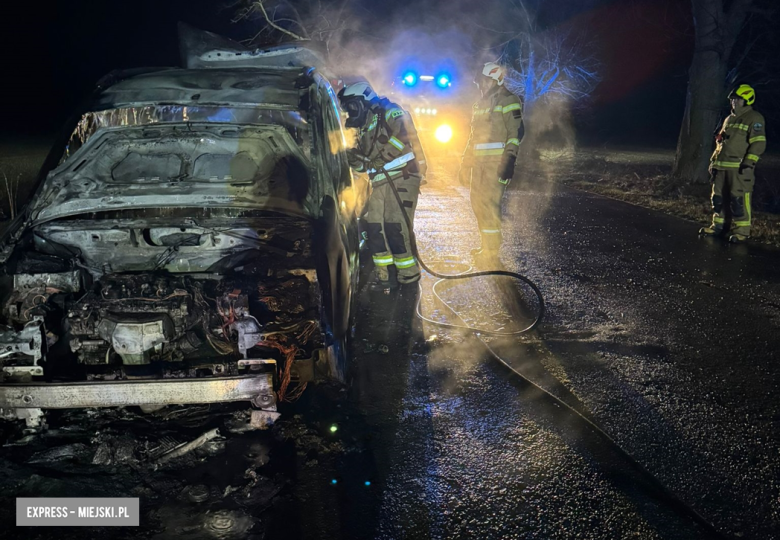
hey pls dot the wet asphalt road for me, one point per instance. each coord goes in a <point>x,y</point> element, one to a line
<point>670,341</point>
<point>666,341</point>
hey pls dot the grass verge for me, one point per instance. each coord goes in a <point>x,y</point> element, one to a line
<point>648,183</point>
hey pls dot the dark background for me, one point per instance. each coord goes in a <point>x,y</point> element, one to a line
<point>55,52</point>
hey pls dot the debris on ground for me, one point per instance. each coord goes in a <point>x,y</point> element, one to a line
<point>68,452</point>
<point>306,438</point>
<point>188,447</point>
<point>200,471</point>
<point>113,449</point>
<point>263,419</point>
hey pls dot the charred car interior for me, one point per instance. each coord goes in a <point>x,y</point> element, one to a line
<point>193,240</point>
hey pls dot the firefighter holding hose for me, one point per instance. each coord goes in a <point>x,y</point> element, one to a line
<point>387,147</point>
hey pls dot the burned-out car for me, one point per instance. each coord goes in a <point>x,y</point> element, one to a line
<point>194,240</point>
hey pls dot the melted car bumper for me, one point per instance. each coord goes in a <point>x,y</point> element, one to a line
<point>255,388</point>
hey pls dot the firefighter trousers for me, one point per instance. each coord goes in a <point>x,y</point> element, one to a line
<point>486,194</point>
<point>732,192</point>
<point>388,235</point>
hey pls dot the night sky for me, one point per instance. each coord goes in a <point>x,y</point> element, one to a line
<point>55,51</point>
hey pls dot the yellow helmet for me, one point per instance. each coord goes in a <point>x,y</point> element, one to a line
<point>745,92</point>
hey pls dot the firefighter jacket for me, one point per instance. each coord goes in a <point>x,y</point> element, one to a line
<point>496,132</point>
<point>388,140</point>
<point>741,140</point>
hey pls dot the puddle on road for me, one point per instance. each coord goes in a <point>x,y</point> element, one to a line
<point>194,523</point>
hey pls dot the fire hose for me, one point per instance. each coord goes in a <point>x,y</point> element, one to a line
<point>661,490</point>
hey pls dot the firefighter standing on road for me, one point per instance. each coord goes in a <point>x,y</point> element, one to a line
<point>740,143</point>
<point>490,155</point>
<point>387,144</point>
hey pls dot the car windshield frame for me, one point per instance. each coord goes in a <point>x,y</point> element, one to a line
<point>155,114</point>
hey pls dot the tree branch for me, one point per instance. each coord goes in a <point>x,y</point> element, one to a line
<point>736,16</point>
<point>259,4</point>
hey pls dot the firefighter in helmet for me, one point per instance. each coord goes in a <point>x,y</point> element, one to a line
<point>387,149</point>
<point>490,155</point>
<point>739,144</point>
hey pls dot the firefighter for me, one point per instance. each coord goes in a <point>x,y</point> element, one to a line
<point>386,148</point>
<point>490,155</point>
<point>739,144</point>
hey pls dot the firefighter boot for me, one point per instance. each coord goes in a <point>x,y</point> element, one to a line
<point>709,231</point>
<point>487,256</point>
<point>738,239</point>
<point>382,281</point>
<point>408,270</point>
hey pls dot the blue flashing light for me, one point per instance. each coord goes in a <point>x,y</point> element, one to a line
<point>443,81</point>
<point>410,78</point>
<point>367,483</point>
<point>334,481</point>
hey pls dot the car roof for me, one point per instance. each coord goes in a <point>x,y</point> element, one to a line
<point>274,87</point>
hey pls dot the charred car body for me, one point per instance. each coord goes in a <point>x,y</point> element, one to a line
<point>193,241</point>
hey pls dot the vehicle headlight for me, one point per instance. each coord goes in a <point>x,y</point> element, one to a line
<point>443,133</point>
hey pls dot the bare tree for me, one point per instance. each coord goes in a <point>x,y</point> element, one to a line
<point>322,21</point>
<point>715,66</point>
<point>542,63</point>
<point>553,70</point>
<point>551,64</point>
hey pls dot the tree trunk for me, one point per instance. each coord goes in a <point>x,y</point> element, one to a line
<point>703,106</point>
<point>716,33</point>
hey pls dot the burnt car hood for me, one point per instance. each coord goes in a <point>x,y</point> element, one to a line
<point>181,165</point>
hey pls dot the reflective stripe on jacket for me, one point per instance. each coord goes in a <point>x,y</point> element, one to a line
<point>496,124</point>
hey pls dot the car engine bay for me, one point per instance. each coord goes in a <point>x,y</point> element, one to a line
<point>111,299</point>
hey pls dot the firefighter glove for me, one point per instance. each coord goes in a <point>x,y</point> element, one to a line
<point>422,167</point>
<point>355,160</point>
<point>377,164</point>
<point>506,168</point>
<point>745,168</point>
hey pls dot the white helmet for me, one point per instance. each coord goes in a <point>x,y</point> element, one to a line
<point>356,99</point>
<point>362,89</point>
<point>495,72</point>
